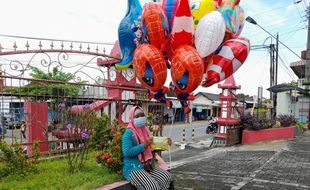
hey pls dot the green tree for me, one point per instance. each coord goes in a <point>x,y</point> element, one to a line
<point>48,85</point>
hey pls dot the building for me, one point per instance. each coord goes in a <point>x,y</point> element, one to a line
<point>302,103</point>
<point>205,105</point>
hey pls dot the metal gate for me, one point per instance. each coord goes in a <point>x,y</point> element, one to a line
<point>75,78</point>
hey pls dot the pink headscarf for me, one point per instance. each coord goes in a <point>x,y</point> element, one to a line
<point>143,133</point>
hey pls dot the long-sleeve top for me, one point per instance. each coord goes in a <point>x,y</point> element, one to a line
<point>131,149</point>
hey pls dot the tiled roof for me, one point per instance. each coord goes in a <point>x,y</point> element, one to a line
<point>210,96</point>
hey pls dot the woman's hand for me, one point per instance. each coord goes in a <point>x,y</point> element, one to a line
<point>148,142</point>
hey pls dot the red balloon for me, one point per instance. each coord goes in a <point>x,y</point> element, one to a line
<point>207,61</point>
<point>186,69</point>
<point>155,25</point>
<point>150,67</point>
<point>230,58</point>
<point>182,30</point>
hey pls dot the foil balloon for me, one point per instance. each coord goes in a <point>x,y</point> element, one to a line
<point>241,20</point>
<point>186,72</point>
<point>129,33</point>
<point>170,9</point>
<point>155,26</point>
<point>151,70</point>
<point>183,28</point>
<point>200,8</point>
<point>209,33</point>
<point>232,55</point>
<point>217,3</point>
<point>207,61</point>
<point>229,11</point>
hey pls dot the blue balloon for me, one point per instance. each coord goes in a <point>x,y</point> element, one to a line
<point>170,7</point>
<point>130,34</point>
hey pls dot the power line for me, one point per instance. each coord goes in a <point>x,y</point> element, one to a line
<point>270,10</point>
<point>262,76</point>
<point>280,23</point>
<point>297,9</point>
<point>275,27</point>
<point>293,33</point>
<point>287,70</point>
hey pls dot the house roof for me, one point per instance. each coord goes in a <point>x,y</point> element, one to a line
<point>245,98</point>
<point>210,96</point>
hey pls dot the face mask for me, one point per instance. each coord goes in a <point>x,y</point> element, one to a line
<point>139,122</point>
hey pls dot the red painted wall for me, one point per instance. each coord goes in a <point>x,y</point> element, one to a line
<point>37,122</point>
<point>249,137</point>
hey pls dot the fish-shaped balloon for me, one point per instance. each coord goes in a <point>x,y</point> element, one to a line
<point>130,33</point>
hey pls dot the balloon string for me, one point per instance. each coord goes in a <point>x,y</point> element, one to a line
<point>172,122</point>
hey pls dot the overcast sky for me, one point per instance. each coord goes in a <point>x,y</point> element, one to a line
<point>98,20</point>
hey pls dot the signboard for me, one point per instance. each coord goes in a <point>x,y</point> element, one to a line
<point>198,109</point>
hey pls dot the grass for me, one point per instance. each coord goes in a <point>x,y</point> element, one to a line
<point>53,175</point>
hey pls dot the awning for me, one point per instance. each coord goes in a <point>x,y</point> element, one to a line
<point>283,88</point>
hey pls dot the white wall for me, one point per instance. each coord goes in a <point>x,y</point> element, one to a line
<point>202,100</point>
<point>5,103</point>
<point>285,106</point>
<point>126,95</point>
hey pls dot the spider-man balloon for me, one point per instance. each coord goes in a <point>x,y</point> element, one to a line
<point>151,70</point>
<point>186,71</point>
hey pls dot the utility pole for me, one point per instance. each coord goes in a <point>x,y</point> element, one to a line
<point>274,59</point>
<point>307,70</point>
<point>276,76</point>
<point>271,48</point>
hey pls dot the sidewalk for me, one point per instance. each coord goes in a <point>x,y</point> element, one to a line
<point>269,165</point>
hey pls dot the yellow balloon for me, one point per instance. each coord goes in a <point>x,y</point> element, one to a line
<point>200,8</point>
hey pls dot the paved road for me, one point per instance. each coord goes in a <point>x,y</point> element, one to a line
<point>177,131</point>
<point>280,167</point>
<point>13,135</point>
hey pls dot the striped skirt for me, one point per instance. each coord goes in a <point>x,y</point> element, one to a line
<point>158,179</point>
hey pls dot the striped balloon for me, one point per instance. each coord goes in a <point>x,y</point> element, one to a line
<point>229,59</point>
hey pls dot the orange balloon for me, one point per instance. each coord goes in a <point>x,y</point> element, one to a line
<point>187,69</point>
<point>150,67</point>
<point>155,25</point>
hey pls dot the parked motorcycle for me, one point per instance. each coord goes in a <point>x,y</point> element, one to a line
<point>212,128</point>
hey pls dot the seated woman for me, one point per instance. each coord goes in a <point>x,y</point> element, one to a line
<point>136,147</point>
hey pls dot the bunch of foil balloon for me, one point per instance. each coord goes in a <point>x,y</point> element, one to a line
<point>197,40</point>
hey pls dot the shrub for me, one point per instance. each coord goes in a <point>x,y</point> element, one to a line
<point>102,133</point>
<point>250,122</point>
<point>111,155</point>
<point>287,120</point>
<point>268,123</point>
<point>301,126</point>
<point>150,121</point>
<point>79,129</point>
<point>36,152</point>
<point>15,161</point>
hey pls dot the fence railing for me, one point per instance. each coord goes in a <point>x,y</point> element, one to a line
<point>17,92</point>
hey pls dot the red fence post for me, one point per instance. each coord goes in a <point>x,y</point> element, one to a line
<point>37,121</point>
